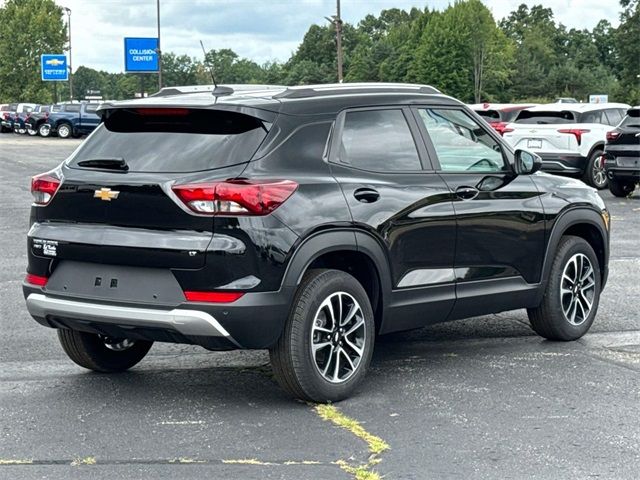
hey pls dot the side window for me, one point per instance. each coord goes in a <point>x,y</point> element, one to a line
<point>594,117</point>
<point>378,140</point>
<point>72,108</point>
<point>91,108</point>
<point>460,142</point>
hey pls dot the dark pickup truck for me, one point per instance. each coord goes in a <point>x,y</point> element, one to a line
<point>74,120</point>
<point>36,122</point>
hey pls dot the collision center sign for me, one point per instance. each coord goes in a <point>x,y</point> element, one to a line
<point>53,67</point>
<point>140,54</point>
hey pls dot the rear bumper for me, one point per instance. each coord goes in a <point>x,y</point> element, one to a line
<point>623,173</point>
<point>567,163</point>
<point>254,321</point>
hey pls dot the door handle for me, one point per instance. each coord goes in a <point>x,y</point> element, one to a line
<point>467,193</point>
<point>366,195</point>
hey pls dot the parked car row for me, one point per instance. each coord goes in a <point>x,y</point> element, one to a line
<point>64,119</point>
<point>575,139</point>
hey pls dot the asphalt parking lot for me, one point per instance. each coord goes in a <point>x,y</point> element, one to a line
<point>479,398</point>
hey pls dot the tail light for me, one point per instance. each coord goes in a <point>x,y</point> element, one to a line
<point>612,135</point>
<point>235,197</point>
<point>43,188</point>
<point>36,280</point>
<point>576,132</point>
<point>212,297</point>
<point>501,127</point>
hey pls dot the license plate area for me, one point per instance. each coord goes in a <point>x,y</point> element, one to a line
<point>116,283</point>
<point>534,143</point>
<point>628,162</point>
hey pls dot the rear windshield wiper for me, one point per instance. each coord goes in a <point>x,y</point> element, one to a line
<point>106,163</point>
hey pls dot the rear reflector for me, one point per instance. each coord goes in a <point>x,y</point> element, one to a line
<point>236,197</point>
<point>36,280</point>
<point>213,297</point>
<point>43,188</point>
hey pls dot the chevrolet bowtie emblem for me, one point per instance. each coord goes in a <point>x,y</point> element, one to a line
<point>106,194</point>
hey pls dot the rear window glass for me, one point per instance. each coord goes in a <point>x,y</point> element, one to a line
<point>13,107</point>
<point>543,118</point>
<point>173,140</point>
<point>489,115</point>
<point>5,108</point>
<point>632,119</point>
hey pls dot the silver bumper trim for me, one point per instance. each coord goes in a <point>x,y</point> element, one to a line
<point>187,322</point>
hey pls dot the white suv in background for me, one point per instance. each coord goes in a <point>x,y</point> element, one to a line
<point>569,137</point>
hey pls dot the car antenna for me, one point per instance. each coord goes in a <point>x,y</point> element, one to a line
<point>217,91</point>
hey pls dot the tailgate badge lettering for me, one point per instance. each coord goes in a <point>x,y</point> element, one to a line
<point>106,194</point>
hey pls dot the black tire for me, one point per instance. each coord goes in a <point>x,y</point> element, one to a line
<point>594,173</point>
<point>90,351</point>
<point>44,130</point>
<point>294,365</point>
<point>548,319</point>
<point>620,188</point>
<point>65,130</point>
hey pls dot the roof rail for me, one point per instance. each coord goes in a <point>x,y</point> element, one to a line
<point>188,89</point>
<point>308,91</point>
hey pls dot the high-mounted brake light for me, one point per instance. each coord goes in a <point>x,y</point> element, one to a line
<point>43,188</point>
<point>576,132</point>
<point>212,297</point>
<point>235,197</point>
<point>37,280</point>
<point>612,135</point>
<point>162,112</point>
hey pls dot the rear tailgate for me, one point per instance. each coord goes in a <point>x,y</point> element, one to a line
<point>105,214</point>
<point>539,138</point>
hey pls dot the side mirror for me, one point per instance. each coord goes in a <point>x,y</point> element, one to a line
<point>526,162</point>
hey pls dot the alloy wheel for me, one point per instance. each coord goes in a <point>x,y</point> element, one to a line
<point>598,173</point>
<point>338,336</point>
<point>118,344</point>
<point>577,289</point>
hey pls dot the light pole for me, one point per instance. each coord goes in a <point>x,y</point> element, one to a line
<point>68,12</point>
<point>159,51</point>
<point>337,21</point>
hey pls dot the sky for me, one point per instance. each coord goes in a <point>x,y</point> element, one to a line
<point>262,31</point>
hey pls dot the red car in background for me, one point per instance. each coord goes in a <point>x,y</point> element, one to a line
<point>498,115</point>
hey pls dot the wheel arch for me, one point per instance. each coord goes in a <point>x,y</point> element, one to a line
<point>584,223</point>
<point>354,252</point>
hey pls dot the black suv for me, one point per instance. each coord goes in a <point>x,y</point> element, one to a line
<point>622,154</point>
<point>305,220</point>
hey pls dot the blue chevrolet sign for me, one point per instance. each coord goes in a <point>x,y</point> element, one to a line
<point>53,68</point>
<point>140,54</point>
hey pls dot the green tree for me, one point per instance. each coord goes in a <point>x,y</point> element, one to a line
<point>627,45</point>
<point>179,70</point>
<point>29,28</point>
<point>463,53</point>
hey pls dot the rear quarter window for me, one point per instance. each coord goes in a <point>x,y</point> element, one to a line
<point>173,140</point>
<point>71,108</point>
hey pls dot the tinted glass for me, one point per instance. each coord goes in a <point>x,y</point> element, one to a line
<point>185,141</point>
<point>72,108</point>
<point>460,142</point>
<point>597,116</point>
<point>614,115</point>
<point>543,118</point>
<point>378,140</point>
<point>632,119</point>
<point>489,115</point>
<point>91,108</point>
<point>5,108</point>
